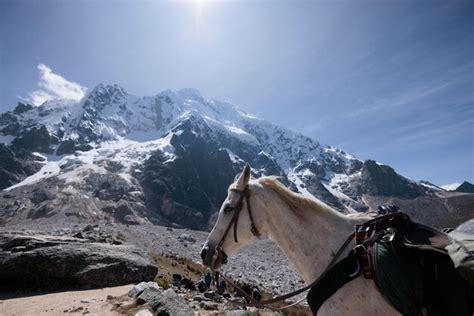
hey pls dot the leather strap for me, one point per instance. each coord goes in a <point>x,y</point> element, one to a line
<point>343,272</point>
<point>294,293</point>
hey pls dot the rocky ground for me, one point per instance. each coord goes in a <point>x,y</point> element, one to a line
<point>269,269</point>
<point>78,302</point>
<point>174,250</point>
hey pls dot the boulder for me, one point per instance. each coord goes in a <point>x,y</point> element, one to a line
<point>140,287</point>
<point>53,262</point>
<point>170,304</point>
<point>148,295</point>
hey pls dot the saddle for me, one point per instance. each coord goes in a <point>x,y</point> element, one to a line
<point>409,264</point>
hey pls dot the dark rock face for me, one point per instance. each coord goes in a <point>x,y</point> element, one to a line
<point>465,187</point>
<point>382,180</point>
<point>22,108</point>
<point>16,165</point>
<point>51,262</point>
<point>190,188</point>
<point>35,139</point>
<point>69,146</point>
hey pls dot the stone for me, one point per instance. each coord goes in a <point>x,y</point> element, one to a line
<point>236,312</point>
<point>140,287</point>
<point>187,237</point>
<point>209,295</point>
<point>170,304</point>
<point>209,306</point>
<point>40,195</point>
<point>148,295</point>
<point>54,262</point>
<point>143,312</point>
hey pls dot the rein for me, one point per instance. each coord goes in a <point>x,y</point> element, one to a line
<point>221,255</point>
<point>256,303</point>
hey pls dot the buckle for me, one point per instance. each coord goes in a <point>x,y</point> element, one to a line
<point>357,271</point>
<point>359,249</point>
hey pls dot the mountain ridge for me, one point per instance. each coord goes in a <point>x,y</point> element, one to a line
<point>183,146</point>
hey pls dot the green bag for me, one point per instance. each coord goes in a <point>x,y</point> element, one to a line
<point>461,251</point>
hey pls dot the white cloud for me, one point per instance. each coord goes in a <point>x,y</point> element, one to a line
<point>54,86</point>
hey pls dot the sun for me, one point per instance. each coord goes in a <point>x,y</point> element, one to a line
<point>199,6</point>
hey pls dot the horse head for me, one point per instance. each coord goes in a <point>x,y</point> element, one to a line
<point>235,226</point>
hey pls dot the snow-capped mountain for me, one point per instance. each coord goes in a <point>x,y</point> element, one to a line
<point>451,186</point>
<point>167,158</point>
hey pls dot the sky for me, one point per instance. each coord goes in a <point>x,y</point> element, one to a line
<point>391,81</point>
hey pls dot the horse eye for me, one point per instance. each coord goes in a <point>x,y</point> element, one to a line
<point>228,209</point>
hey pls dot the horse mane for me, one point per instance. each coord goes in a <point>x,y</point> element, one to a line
<point>297,202</point>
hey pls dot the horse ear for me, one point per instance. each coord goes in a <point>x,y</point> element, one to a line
<point>244,176</point>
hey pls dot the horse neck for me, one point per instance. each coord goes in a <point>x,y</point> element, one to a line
<point>310,239</point>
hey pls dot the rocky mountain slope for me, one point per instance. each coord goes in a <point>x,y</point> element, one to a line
<point>465,187</point>
<point>168,159</point>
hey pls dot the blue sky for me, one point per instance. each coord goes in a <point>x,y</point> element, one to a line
<point>387,80</point>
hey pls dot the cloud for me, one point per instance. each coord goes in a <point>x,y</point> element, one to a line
<point>54,86</point>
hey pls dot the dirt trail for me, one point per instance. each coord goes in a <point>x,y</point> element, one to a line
<point>87,302</point>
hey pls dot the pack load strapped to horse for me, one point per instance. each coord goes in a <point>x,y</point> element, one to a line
<point>353,265</point>
<point>411,265</point>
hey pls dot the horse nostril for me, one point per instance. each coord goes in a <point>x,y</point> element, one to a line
<point>204,253</point>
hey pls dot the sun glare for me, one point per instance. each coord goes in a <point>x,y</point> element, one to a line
<point>199,6</point>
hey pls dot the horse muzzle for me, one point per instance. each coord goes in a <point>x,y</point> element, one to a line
<point>213,257</point>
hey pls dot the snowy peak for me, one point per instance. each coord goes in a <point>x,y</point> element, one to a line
<point>105,96</point>
<point>451,186</point>
<point>182,135</point>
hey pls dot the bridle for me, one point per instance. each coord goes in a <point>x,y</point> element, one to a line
<point>244,194</point>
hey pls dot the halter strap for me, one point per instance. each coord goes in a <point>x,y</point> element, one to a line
<point>244,194</point>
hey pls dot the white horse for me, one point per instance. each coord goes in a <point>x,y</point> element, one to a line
<point>308,231</point>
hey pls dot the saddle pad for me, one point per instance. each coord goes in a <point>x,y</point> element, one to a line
<point>400,284</point>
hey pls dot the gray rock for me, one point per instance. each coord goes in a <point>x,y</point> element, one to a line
<point>140,287</point>
<point>170,304</point>
<point>149,294</point>
<point>210,295</point>
<point>209,306</point>
<point>186,237</point>
<point>237,312</point>
<point>52,262</point>
<point>40,195</point>
<point>143,312</point>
